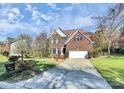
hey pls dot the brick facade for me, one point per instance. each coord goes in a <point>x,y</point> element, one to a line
<point>85,44</point>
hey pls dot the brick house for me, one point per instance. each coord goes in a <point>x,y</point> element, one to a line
<point>4,47</point>
<point>61,42</point>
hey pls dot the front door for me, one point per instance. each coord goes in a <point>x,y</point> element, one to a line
<point>64,49</point>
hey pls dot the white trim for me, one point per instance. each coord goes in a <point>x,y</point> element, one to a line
<point>70,37</point>
<point>78,54</point>
<point>58,33</point>
<point>75,34</point>
<point>56,50</point>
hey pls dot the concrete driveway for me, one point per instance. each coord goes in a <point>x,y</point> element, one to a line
<point>71,74</point>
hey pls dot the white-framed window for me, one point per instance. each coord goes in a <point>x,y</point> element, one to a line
<point>54,41</point>
<point>65,39</point>
<point>51,41</point>
<point>78,38</point>
<point>57,41</point>
<point>54,50</point>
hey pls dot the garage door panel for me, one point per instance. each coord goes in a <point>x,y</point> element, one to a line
<point>78,54</point>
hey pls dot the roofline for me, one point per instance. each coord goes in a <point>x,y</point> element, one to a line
<point>55,31</point>
<point>74,35</point>
<point>62,31</point>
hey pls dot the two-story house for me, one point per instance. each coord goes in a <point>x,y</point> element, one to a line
<point>63,41</point>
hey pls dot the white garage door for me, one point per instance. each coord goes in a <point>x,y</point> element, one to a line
<point>78,54</point>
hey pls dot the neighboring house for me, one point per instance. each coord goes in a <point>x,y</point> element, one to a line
<point>61,42</point>
<point>4,46</point>
<point>13,50</point>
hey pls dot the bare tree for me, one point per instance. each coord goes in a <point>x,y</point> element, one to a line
<point>40,44</point>
<point>24,43</point>
<point>110,24</point>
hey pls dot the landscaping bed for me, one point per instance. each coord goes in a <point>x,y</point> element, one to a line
<point>112,69</point>
<point>29,68</point>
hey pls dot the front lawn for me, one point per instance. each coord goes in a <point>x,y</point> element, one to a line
<point>41,65</point>
<point>3,59</point>
<point>112,69</point>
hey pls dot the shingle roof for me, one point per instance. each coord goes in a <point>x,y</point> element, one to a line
<point>69,33</point>
<point>72,34</point>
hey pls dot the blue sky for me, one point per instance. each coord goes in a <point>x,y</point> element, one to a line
<point>34,18</point>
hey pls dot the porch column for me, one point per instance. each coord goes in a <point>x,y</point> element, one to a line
<point>62,51</point>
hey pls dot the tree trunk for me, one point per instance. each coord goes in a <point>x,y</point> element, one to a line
<point>109,46</point>
<point>22,55</point>
<point>101,52</point>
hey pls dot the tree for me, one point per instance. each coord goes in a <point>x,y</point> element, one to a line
<point>40,45</point>
<point>24,43</point>
<point>110,24</point>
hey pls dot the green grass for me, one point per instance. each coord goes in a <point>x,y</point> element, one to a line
<point>112,69</point>
<point>45,63</point>
<point>41,65</point>
<point>3,60</point>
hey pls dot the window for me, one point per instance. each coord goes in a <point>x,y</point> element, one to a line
<point>74,38</point>
<point>54,41</point>
<point>51,41</point>
<point>59,51</point>
<point>81,37</point>
<point>78,38</point>
<point>54,51</point>
<point>57,41</point>
<point>65,39</point>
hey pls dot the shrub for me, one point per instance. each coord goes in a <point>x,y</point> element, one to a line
<point>49,55</point>
<point>6,53</point>
<point>27,74</point>
<point>5,76</point>
<point>121,51</point>
<point>95,52</point>
<point>20,66</point>
<point>116,50</point>
<point>66,54</point>
<point>13,58</point>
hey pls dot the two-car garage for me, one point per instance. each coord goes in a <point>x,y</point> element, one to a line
<point>78,54</point>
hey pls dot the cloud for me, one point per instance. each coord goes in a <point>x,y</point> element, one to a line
<point>28,7</point>
<point>37,16</point>
<point>11,15</point>
<point>53,6</point>
<point>70,17</point>
<point>16,29</point>
<point>83,21</point>
<point>34,19</point>
<point>16,11</point>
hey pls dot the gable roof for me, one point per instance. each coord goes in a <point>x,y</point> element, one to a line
<point>71,33</point>
<point>74,33</point>
<point>60,32</point>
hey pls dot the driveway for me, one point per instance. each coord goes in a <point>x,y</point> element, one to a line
<point>71,74</point>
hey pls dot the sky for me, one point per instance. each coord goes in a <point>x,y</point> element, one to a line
<point>35,18</point>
